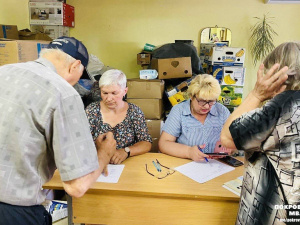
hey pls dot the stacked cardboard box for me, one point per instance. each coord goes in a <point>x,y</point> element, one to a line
<point>15,51</point>
<point>9,32</point>
<point>147,94</point>
<point>226,65</point>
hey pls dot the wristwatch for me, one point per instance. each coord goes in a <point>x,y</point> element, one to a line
<point>126,149</point>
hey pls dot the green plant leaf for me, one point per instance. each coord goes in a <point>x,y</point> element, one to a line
<point>261,39</point>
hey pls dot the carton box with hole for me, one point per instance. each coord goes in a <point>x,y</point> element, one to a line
<point>227,56</point>
<point>172,67</point>
<point>51,13</point>
<point>234,76</point>
<point>216,71</point>
<point>138,88</point>
<point>9,32</point>
<point>15,51</point>
<point>154,127</point>
<point>152,108</point>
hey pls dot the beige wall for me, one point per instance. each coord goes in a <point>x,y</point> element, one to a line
<point>116,30</point>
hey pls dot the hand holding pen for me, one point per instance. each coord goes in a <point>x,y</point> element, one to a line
<point>195,154</point>
<point>200,148</point>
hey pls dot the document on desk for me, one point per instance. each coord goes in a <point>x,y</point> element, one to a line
<point>114,173</point>
<point>204,171</point>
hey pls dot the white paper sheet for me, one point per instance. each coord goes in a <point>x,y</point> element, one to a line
<point>204,171</point>
<point>114,173</point>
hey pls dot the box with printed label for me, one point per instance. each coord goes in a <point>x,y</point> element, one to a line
<point>51,13</point>
<point>178,93</point>
<point>15,51</point>
<point>206,49</point>
<point>138,88</point>
<point>154,127</point>
<point>143,58</point>
<point>234,76</point>
<point>231,95</point>
<point>216,71</point>
<point>9,32</point>
<point>52,31</point>
<point>172,67</point>
<point>152,108</point>
<point>227,56</point>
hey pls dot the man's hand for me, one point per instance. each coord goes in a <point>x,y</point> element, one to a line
<point>270,84</point>
<point>106,147</point>
<point>119,156</point>
<point>196,155</point>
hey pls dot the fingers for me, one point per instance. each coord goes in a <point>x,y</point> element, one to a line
<point>105,171</point>
<point>260,72</point>
<point>101,137</point>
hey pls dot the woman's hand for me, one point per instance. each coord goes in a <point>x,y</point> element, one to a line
<point>196,155</point>
<point>119,156</point>
<point>270,84</point>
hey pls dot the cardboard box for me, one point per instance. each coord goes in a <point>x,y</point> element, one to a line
<point>143,58</point>
<point>9,32</point>
<point>178,93</point>
<point>52,31</point>
<point>64,1</point>
<point>216,71</point>
<point>154,127</point>
<point>15,51</point>
<point>138,88</point>
<point>226,56</point>
<point>234,76</point>
<point>152,108</point>
<point>51,13</point>
<point>154,147</point>
<point>172,67</point>
<point>231,96</point>
<point>24,35</point>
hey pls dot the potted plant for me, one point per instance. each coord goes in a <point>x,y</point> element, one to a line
<point>261,40</point>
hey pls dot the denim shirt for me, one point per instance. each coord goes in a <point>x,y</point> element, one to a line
<point>190,131</point>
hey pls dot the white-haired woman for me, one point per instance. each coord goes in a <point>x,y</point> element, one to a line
<point>125,120</point>
<point>195,124</point>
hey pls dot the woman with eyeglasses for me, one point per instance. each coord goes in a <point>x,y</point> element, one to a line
<point>193,127</point>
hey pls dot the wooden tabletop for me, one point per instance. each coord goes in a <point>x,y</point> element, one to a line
<point>136,181</point>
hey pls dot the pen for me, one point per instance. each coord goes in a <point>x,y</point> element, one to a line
<point>158,169</point>
<point>158,166</point>
<point>202,152</point>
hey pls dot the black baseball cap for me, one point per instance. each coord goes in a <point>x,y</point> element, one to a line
<point>74,48</point>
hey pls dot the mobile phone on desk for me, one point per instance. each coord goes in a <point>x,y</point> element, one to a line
<point>231,161</point>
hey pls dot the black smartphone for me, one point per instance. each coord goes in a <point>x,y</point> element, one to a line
<point>217,153</point>
<point>231,161</point>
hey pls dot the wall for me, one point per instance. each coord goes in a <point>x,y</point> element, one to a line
<point>116,30</point>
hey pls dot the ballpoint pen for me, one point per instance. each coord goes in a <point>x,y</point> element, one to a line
<point>156,166</point>
<point>202,152</point>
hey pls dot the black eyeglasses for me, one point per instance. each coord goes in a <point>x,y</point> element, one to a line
<point>203,102</point>
<point>163,173</point>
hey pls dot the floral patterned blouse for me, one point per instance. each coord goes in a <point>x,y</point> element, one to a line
<point>131,130</point>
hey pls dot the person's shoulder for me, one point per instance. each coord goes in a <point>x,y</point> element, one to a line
<point>134,108</point>
<point>93,105</point>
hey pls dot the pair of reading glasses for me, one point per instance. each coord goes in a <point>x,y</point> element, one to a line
<point>169,171</point>
<point>203,102</point>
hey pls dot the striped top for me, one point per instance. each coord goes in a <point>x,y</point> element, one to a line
<point>189,131</point>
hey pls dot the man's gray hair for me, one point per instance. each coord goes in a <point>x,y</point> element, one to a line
<point>61,54</point>
<point>111,77</point>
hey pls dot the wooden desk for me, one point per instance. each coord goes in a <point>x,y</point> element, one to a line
<point>139,198</point>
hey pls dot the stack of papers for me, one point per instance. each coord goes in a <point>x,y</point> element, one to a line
<point>235,186</point>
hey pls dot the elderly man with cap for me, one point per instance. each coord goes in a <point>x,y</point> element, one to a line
<point>43,126</point>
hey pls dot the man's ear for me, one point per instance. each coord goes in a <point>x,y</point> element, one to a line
<point>75,66</point>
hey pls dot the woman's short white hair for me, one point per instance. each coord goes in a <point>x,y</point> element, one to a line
<point>111,77</point>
